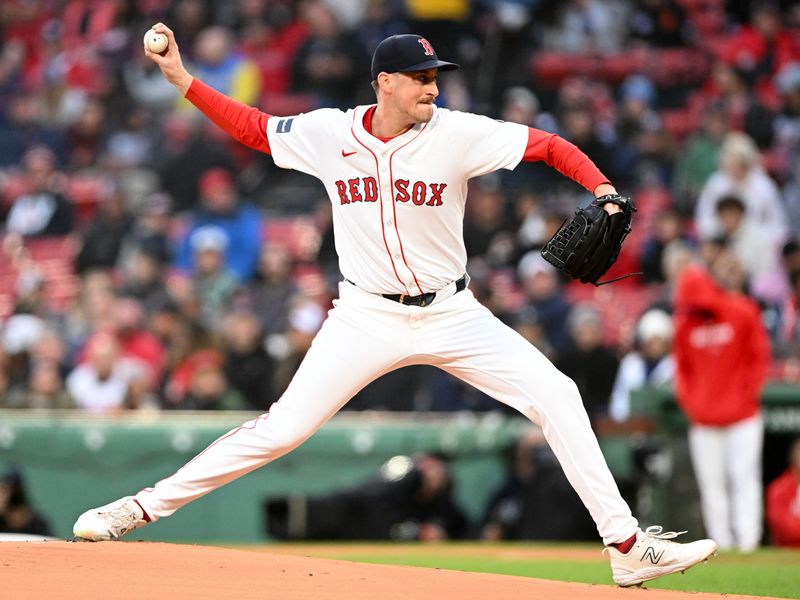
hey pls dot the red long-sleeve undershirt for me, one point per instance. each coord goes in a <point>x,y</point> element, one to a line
<point>248,125</point>
<point>564,157</point>
<point>244,123</point>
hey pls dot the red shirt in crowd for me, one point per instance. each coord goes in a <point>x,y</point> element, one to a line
<point>783,509</point>
<point>721,351</point>
<point>748,47</point>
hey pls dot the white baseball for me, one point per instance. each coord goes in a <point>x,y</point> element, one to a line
<point>155,42</point>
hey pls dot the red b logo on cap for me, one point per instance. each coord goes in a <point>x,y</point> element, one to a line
<point>426,45</point>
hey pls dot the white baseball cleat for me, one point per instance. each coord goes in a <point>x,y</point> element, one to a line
<point>110,522</point>
<point>654,555</point>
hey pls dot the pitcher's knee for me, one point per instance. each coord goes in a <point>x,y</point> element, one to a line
<point>570,390</point>
<point>543,396</point>
<point>558,390</point>
<point>570,397</point>
<point>280,438</point>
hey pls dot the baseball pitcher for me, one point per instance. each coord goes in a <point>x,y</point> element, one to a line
<point>396,173</point>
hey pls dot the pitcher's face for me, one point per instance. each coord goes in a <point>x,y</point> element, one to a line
<point>414,93</point>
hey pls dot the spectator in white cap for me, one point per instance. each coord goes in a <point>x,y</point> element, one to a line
<point>20,332</point>
<point>649,364</point>
<point>740,174</point>
<point>542,288</point>
<point>214,284</point>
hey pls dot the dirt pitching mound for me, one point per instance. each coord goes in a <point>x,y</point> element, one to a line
<point>128,570</point>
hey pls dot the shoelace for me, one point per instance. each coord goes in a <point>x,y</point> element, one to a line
<point>657,532</point>
<point>122,517</point>
<point>121,512</point>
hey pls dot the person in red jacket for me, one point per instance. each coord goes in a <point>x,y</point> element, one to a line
<point>722,354</point>
<point>783,503</point>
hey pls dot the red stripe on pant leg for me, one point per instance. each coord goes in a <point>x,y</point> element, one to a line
<point>214,443</point>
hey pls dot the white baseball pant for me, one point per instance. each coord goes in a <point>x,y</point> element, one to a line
<point>366,336</point>
<point>727,465</point>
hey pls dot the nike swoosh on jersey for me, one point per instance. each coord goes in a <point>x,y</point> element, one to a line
<point>346,154</point>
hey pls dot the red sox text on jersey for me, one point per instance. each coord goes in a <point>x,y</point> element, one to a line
<point>365,189</point>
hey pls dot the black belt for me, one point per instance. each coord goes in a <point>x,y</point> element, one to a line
<point>423,299</point>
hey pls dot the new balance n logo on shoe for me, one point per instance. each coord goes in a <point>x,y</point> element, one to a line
<point>652,555</point>
<point>656,555</point>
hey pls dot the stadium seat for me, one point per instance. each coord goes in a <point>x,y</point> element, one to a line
<point>708,22</point>
<point>286,104</point>
<point>614,68</point>
<point>679,122</point>
<point>674,66</point>
<point>693,6</point>
<point>550,68</point>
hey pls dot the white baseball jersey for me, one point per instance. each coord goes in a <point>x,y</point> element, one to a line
<point>398,206</point>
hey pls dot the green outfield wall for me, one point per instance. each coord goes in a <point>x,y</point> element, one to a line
<point>73,461</point>
<point>780,404</point>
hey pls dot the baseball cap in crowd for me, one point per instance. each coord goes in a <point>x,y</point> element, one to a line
<point>654,323</point>
<point>214,179</point>
<point>21,332</point>
<point>404,53</point>
<point>532,264</point>
<point>209,237</point>
<point>306,317</point>
<point>638,87</point>
<point>583,314</point>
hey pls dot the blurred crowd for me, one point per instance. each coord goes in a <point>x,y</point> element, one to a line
<point>149,262</point>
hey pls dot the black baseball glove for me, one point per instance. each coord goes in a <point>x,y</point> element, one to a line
<point>587,245</point>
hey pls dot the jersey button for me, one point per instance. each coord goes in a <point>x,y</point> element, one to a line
<point>397,257</point>
<point>388,223</point>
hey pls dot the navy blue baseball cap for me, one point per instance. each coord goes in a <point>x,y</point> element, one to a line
<point>404,53</point>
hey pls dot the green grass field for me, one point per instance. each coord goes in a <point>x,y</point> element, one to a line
<point>767,572</point>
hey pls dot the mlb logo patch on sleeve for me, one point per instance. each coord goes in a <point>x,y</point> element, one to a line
<point>285,125</point>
